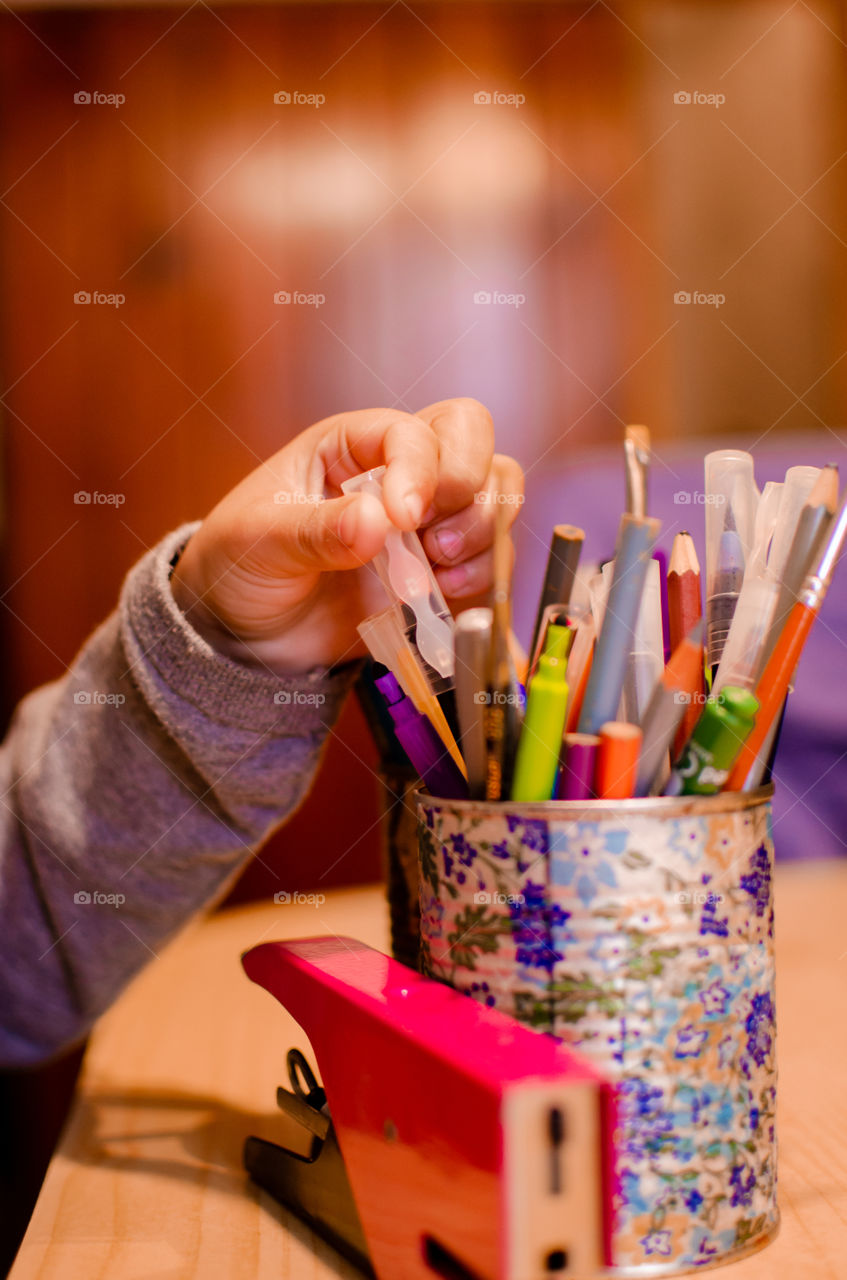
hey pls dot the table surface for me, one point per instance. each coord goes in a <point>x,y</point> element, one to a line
<point>147,1182</point>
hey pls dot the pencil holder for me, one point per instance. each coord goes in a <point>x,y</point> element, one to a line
<point>641,932</point>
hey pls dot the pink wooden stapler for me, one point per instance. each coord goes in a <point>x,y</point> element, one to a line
<point>460,1144</point>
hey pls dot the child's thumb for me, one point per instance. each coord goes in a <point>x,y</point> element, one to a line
<point>338,533</point>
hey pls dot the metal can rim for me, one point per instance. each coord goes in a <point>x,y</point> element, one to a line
<point>592,810</point>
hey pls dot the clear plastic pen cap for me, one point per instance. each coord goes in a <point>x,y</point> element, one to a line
<point>731,500</point>
<point>406,575</point>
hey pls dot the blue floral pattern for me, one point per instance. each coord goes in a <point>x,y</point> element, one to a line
<point>648,944</point>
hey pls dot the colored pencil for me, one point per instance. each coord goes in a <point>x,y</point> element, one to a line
<point>779,671</point>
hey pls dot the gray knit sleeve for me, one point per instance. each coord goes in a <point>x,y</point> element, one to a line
<point>131,792</point>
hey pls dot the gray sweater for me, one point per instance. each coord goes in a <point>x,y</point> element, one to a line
<point>132,791</point>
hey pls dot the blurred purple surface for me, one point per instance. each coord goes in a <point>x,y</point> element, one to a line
<point>810,805</point>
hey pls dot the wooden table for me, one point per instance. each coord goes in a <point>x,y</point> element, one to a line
<point>147,1183</point>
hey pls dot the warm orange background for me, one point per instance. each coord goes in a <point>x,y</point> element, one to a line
<point>397,199</point>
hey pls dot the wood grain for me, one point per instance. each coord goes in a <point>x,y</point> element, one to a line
<point>148,1185</point>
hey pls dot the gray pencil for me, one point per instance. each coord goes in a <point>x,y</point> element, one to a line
<point>472,642</point>
<point>560,573</point>
<point>636,538</point>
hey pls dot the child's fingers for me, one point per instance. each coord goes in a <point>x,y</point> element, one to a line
<point>464,534</point>
<point>350,443</point>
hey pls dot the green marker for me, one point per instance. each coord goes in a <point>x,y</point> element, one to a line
<point>537,759</point>
<point>718,737</point>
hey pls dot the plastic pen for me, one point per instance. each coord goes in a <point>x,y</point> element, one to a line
<point>678,689</point>
<point>559,576</point>
<point>646,660</point>
<point>812,527</point>
<point>636,538</point>
<point>617,761</point>
<point>423,746</point>
<point>740,662</point>
<point>779,671</point>
<point>472,638</point>
<point>407,576</point>
<point>503,712</point>
<point>718,737</point>
<point>577,767</point>
<point>387,642</point>
<point>731,502</point>
<point>537,759</point>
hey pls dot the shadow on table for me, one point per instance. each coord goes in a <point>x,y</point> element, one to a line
<point>185,1137</point>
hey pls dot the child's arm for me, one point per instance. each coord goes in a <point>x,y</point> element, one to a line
<point>133,789</point>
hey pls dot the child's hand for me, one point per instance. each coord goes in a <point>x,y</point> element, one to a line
<point>266,578</point>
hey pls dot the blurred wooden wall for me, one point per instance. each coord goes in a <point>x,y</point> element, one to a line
<point>399,199</point>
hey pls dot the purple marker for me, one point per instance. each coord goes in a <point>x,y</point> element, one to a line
<point>576,778</point>
<point>659,555</point>
<point>420,740</point>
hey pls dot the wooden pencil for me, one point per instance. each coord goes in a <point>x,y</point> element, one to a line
<point>685,609</point>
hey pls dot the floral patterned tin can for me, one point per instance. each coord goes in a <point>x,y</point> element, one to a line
<point>641,932</point>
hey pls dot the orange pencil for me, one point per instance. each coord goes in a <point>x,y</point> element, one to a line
<point>779,672</point>
<point>617,761</point>
<point>685,609</point>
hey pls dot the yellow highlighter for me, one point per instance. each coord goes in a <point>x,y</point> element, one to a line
<point>537,760</point>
